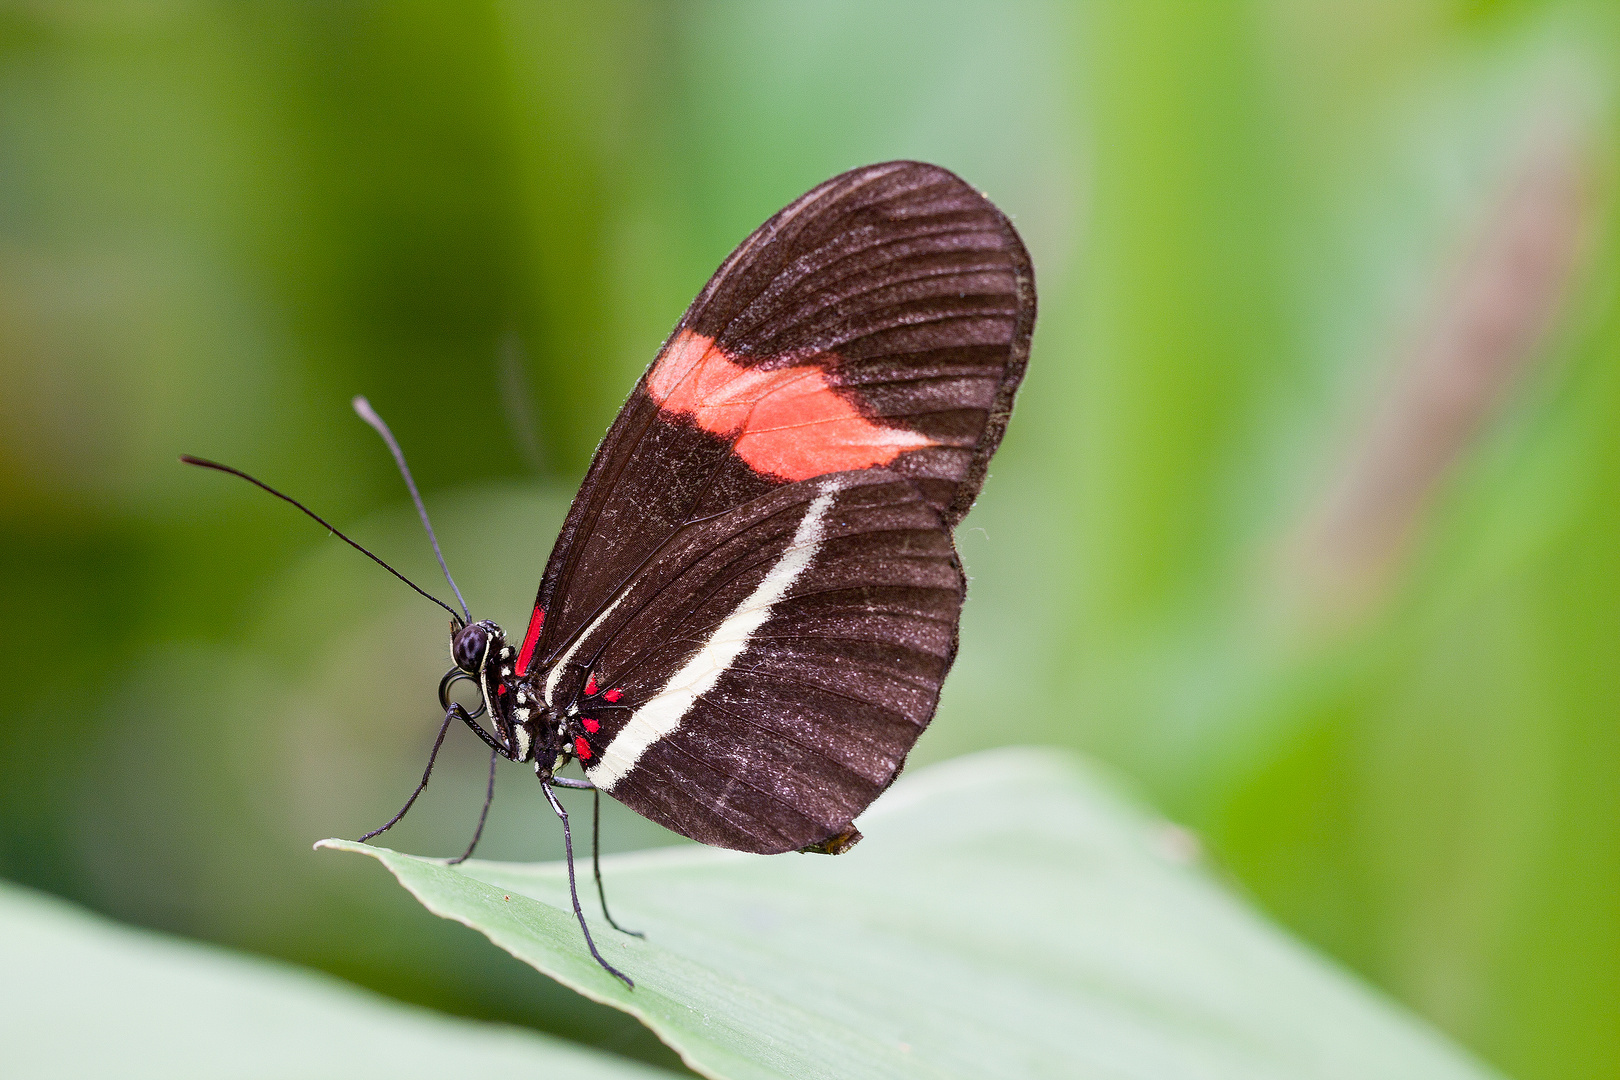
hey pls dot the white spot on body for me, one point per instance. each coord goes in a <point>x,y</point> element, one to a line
<point>522,735</point>
<point>662,713</point>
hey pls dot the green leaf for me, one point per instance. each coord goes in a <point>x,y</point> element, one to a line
<point>1009,914</point>
<point>84,997</point>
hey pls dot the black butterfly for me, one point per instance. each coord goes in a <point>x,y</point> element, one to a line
<point>745,622</point>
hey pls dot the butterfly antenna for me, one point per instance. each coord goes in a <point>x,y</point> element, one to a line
<point>369,415</point>
<point>335,531</point>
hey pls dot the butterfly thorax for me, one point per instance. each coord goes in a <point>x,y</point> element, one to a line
<point>522,725</point>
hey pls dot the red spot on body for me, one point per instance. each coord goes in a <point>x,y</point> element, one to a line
<point>614,695</point>
<point>789,422</point>
<point>582,748</point>
<point>590,684</point>
<point>530,637</point>
<point>590,725</point>
<point>500,690</point>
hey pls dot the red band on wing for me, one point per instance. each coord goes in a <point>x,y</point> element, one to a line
<point>790,422</point>
<point>536,621</point>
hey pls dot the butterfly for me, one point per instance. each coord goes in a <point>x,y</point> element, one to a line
<point>746,620</point>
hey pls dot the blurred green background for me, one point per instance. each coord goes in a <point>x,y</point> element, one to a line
<point>1309,520</point>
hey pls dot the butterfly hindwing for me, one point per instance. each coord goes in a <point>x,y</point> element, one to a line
<point>762,679</point>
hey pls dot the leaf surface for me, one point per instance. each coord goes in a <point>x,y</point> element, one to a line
<point>83,997</point>
<point>1008,915</point>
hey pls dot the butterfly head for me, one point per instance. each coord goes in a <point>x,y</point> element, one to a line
<point>472,645</point>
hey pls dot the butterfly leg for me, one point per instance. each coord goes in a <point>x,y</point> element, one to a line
<point>450,715</point>
<point>596,863</point>
<point>596,846</point>
<point>489,797</point>
<point>573,891</point>
<point>478,729</point>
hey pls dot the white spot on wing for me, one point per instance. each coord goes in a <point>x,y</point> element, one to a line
<point>661,714</point>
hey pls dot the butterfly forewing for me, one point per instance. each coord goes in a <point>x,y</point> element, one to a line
<point>849,369</point>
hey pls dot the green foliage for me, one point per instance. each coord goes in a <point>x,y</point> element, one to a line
<point>83,997</point>
<point>1008,915</point>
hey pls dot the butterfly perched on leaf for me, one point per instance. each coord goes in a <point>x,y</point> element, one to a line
<point>754,600</point>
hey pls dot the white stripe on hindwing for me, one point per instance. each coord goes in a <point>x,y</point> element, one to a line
<point>660,716</point>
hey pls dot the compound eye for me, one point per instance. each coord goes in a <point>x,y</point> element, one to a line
<point>467,647</point>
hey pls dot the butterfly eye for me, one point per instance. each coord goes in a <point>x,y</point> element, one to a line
<point>467,647</point>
